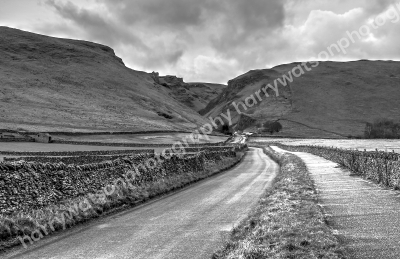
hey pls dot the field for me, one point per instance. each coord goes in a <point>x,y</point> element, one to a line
<point>359,144</point>
<point>153,138</point>
<point>42,147</point>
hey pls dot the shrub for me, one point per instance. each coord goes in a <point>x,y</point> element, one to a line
<point>225,129</point>
<point>382,128</point>
<point>271,127</point>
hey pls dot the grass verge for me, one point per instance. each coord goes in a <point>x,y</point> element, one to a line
<point>287,221</point>
<point>21,224</point>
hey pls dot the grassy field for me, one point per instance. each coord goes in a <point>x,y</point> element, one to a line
<point>359,144</point>
<point>152,138</point>
<point>43,147</point>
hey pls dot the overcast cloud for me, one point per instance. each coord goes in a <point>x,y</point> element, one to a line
<point>211,40</point>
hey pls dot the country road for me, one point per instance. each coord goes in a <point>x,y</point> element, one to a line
<point>191,223</point>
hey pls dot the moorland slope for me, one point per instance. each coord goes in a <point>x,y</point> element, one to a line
<point>335,97</point>
<point>195,95</point>
<point>53,84</point>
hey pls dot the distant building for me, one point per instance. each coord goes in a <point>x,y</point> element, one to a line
<point>42,137</point>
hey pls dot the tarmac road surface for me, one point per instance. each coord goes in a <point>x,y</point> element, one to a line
<point>191,223</point>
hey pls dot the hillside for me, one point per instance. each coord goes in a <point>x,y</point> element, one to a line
<point>53,84</point>
<point>203,93</point>
<point>194,95</point>
<point>337,97</point>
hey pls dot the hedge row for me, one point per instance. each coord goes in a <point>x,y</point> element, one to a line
<point>380,167</point>
<point>33,185</point>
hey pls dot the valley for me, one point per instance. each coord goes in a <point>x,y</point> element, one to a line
<point>100,160</point>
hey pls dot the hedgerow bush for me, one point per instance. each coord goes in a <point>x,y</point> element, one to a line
<point>382,128</point>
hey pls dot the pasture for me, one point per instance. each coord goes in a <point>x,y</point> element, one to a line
<point>151,138</point>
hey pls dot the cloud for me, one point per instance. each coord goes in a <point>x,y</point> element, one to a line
<point>245,21</point>
<point>216,40</point>
<point>165,35</point>
<point>323,28</point>
<point>95,25</point>
<point>173,14</point>
<point>101,26</point>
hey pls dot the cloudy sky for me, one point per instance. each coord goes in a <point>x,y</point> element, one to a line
<point>216,40</point>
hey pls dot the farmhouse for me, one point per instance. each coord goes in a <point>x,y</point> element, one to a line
<point>42,137</point>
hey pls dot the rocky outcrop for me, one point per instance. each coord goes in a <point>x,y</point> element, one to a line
<point>170,81</point>
<point>251,77</point>
<point>155,76</point>
<point>193,95</point>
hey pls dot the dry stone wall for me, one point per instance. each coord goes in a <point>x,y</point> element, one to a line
<point>33,185</point>
<point>380,167</point>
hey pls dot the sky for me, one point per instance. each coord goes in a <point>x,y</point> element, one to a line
<point>217,40</point>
